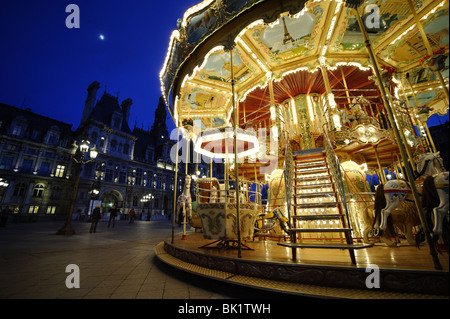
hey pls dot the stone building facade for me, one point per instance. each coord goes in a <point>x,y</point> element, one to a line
<point>132,170</point>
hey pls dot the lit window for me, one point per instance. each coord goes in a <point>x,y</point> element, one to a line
<point>38,190</point>
<point>33,209</point>
<point>60,171</point>
<point>51,210</point>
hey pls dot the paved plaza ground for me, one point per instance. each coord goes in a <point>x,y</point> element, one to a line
<point>114,263</point>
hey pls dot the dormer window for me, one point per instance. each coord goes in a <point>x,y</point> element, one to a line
<point>116,120</point>
<point>19,129</point>
<point>52,136</point>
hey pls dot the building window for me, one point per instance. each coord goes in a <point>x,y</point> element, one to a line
<point>52,139</point>
<point>44,169</point>
<point>19,190</point>
<point>55,192</point>
<point>113,145</point>
<point>108,175</point>
<point>138,176</point>
<point>60,170</point>
<point>38,190</point>
<point>122,177</point>
<point>94,137</point>
<point>27,164</point>
<point>51,210</point>
<point>116,122</point>
<point>33,209</point>
<point>126,149</point>
<point>18,129</point>
<point>6,162</point>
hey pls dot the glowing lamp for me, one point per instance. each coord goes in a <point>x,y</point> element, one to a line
<point>219,143</point>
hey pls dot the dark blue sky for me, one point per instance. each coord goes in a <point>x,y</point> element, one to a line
<point>47,67</point>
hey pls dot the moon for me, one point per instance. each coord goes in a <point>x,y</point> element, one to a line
<point>101,36</point>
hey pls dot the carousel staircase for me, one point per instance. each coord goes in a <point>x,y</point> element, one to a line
<point>317,208</point>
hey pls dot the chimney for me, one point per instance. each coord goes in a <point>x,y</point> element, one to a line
<point>90,100</point>
<point>126,105</point>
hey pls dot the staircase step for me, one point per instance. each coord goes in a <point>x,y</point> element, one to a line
<point>314,185</point>
<point>315,194</point>
<point>311,171</point>
<point>310,164</point>
<point>309,159</point>
<point>326,246</point>
<point>312,178</point>
<point>318,217</point>
<point>319,230</point>
<point>317,205</point>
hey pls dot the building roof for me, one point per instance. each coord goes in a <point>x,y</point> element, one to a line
<point>105,108</point>
<point>35,122</point>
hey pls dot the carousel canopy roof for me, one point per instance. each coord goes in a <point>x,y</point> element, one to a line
<point>277,50</point>
<point>281,42</point>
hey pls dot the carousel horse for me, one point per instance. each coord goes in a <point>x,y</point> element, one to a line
<point>184,201</point>
<point>435,195</point>
<point>269,221</point>
<point>276,204</point>
<point>389,196</point>
<point>214,195</point>
<point>358,109</point>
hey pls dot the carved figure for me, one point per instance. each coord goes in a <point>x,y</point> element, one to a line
<point>184,201</point>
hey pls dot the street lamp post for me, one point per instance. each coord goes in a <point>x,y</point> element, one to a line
<point>3,186</point>
<point>78,153</point>
<point>146,199</point>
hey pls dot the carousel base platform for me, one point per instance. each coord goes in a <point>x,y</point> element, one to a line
<point>405,272</point>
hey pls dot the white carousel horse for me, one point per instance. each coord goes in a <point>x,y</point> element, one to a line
<point>232,196</point>
<point>184,201</point>
<point>390,196</point>
<point>435,190</point>
<point>214,195</point>
<point>358,111</point>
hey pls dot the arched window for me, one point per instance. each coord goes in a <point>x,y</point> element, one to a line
<point>19,190</point>
<point>38,190</point>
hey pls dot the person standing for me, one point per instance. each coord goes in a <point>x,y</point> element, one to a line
<point>96,216</point>
<point>132,215</point>
<point>4,213</point>
<point>112,216</point>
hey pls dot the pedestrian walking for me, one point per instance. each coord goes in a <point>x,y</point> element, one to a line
<point>112,216</point>
<point>132,215</point>
<point>96,216</point>
<point>4,213</point>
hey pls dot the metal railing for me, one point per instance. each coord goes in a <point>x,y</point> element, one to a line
<point>213,190</point>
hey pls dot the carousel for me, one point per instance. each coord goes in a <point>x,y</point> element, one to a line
<point>316,112</point>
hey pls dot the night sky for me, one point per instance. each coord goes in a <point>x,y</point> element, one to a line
<point>47,67</point>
